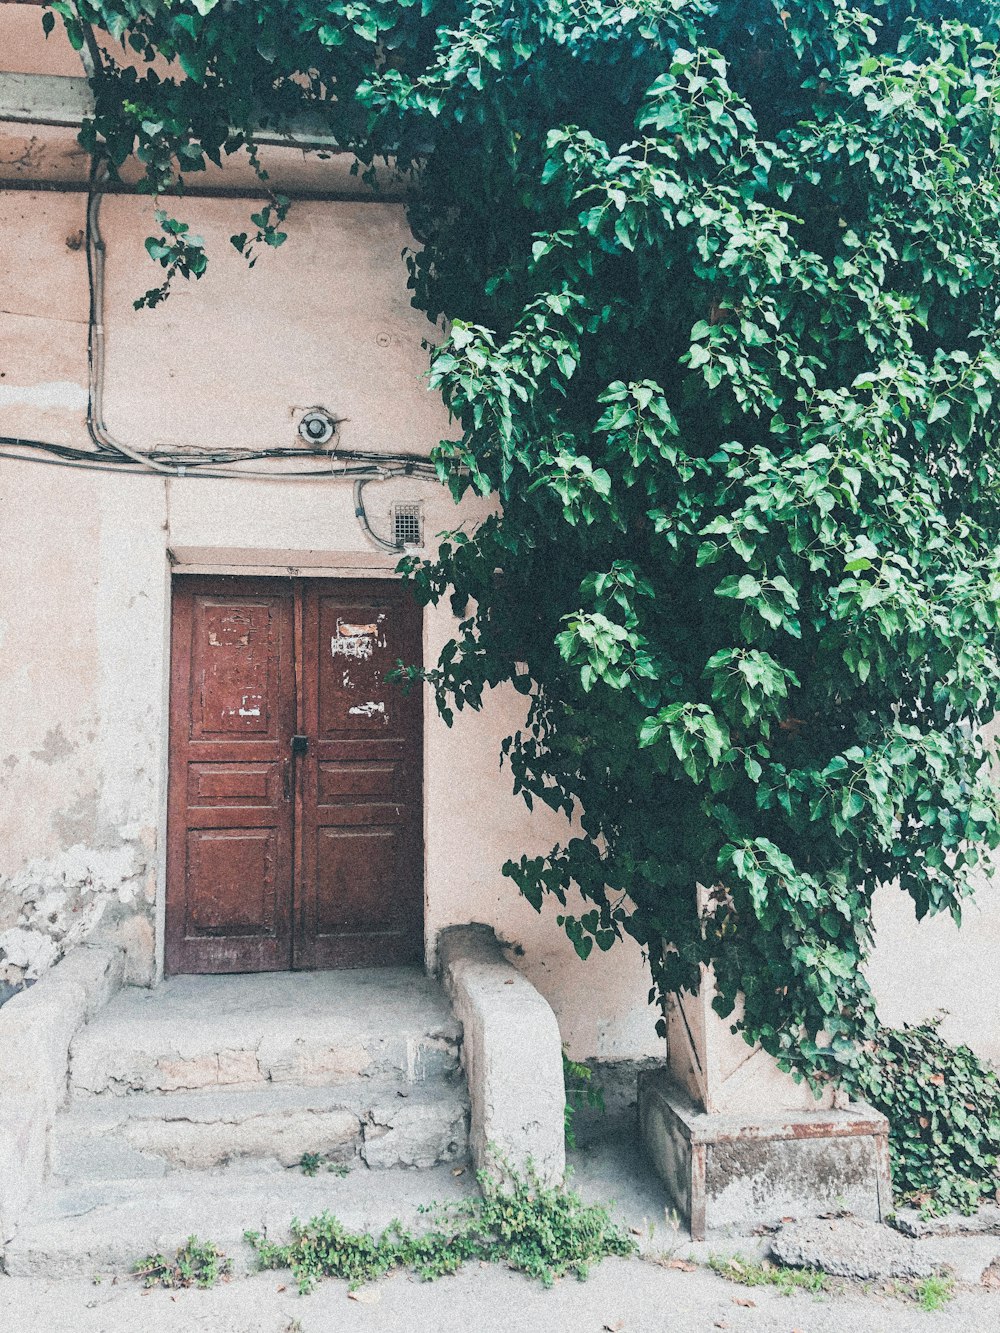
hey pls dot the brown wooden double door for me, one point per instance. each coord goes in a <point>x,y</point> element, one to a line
<point>294,817</point>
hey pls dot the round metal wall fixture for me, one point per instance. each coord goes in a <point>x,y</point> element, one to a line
<point>317,427</point>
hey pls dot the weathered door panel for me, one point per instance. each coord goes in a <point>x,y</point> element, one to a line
<point>361,893</point>
<point>229,850</point>
<point>295,819</point>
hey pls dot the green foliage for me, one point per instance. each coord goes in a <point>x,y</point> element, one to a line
<point>934,1292</point>
<point>537,1229</point>
<point>722,283</point>
<point>750,1273</point>
<point>930,1293</point>
<point>580,1091</point>
<point>196,1264</point>
<point>177,251</point>
<point>312,1162</point>
<point>943,1108</point>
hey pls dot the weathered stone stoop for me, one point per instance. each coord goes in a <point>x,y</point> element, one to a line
<point>206,1093</point>
<point>150,1134</point>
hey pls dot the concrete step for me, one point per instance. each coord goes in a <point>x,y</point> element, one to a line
<point>378,1121</point>
<point>105,1228</point>
<point>316,1029</point>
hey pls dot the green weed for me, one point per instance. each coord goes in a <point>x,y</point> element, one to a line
<point>541,1230</point>
<point>750,1273</point>
<point>580,1091</point>
<point>196,1264</point>
<point>934,1293</point>
<point>312,1162</point>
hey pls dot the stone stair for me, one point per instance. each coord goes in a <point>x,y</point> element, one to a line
<point>102,1229</point>
<point>199,1100</point>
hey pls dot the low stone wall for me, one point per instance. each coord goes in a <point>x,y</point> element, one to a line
<point>512,1053</point>
<point>36,1029</point>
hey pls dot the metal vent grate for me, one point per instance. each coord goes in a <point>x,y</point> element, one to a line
<point>407,525</point>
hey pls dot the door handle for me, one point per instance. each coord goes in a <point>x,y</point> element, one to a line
<point>300,746</point>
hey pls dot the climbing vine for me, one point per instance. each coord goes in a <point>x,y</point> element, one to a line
<point>721,284</point>
<point>943,1108</point>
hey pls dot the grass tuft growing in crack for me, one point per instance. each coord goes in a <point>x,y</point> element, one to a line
<point>934,1292</point>
<point>930,1293</point>
<point>544,1231</point>
<point>765,1274</point>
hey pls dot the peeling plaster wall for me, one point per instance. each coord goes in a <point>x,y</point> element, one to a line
<point>84,576</point>
<point>79,742</point>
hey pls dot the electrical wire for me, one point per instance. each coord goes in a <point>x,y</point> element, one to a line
<point>95,465</point>
<point>112,455</point>
<point>361,515</point>
<point>105,463</point>
<point>172,465</point>
<point>95,330</point>
<point>369,462</point>
<point>95,358</point>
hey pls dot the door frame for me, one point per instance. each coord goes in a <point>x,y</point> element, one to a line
<point>270,579</point>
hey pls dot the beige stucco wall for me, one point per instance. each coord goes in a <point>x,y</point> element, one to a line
<point>920,969</point>
<point>84,573</point>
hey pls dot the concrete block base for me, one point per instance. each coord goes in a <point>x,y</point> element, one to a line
<point>731,1171</point>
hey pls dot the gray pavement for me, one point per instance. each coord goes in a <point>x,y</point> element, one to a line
<point>623,1296</point>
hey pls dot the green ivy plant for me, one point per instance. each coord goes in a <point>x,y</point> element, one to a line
<point>721,283</point>
<point>581,1091</point>
<point>943,1108</point>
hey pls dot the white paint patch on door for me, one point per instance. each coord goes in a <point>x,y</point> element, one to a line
<point>343,647</point>
<point>357,640</point>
